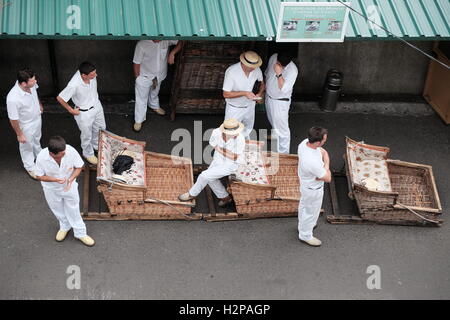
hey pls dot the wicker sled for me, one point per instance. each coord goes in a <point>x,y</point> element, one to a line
<point>151,187</point>
<point>275,190</point>
<point>405,193</point>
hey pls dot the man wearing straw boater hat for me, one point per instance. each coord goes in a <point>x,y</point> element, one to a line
<point>229,145</point>
<point>238,85</point>
<point>313,172</point>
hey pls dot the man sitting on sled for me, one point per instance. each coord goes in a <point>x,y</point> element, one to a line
<point>229,145</point>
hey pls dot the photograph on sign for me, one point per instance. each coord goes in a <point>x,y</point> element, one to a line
<point>312,22</point>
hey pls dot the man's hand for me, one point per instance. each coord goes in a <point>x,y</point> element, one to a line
<point>69,185</point>
<point>21,138</point>
<point>61,181</point>
<point>250,95</point>
<point>171,58</point>
<point>277,68</point>
<point>75,112</point>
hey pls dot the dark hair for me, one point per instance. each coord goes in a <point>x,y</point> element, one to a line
<point>25,74</point>
<point>86,68</point>
<point>56,144</point>
<point>285,57</point>
<point>316,134</point>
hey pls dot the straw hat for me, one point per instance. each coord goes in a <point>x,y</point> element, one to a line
<point>232,127</point>
<point>251,59</point>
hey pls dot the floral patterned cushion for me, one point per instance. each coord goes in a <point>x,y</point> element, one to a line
<point>253,171</point>
<point>368,166</point>
<point>110,147</point>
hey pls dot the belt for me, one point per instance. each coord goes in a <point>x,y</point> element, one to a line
<point>314,189</point>
<point>281,99</point>
<point>85,110</point>
<point>237,106</point>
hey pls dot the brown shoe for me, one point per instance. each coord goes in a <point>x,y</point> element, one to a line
<point>225,201</point>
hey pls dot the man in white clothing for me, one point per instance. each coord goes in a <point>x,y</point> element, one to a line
<point>150,69</point>
<point>238,85</point>
<point>57,167</point>
<point>281,74</point>
<point>313,171</point>
<point>24,113</point>
<point>229,145</point>
<point>88,111</point>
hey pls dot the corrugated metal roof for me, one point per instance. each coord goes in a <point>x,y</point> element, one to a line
<point>223,19</point>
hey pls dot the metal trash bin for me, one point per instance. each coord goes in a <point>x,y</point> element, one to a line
<point>332,90</point>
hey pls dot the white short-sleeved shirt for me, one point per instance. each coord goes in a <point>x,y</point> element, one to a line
<point>47,166</point>
<point>290,74</point>
<point>83,95</point>
<point>310,166</point>
<point>23,106</point>
<point>236,146</point>
<point>153,58</point>
<point>236,80</point>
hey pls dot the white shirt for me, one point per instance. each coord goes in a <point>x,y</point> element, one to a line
<point>153,58</point>
<point>290,74</point>
<point>47,166</point>
<point>234,145</point>
<point>236,80</point>
<point>83,95</point>
<point>310,166</point>
<point>23,106</point>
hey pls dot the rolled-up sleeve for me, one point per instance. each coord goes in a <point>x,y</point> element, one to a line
<point>138,54</point>
<point>67,93</point>
<point>13,110</point>
<point>228,82</point>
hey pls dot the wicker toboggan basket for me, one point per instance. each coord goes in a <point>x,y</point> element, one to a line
<point>410,196</point>
<point>281,195</point>
<point>165,177</point>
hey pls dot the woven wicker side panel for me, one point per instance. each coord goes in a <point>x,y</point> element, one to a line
<point>203,75</point>
<point>123,201</point>
<point>268,207</point>
<point>284,177</point>
<point>246,197</point>
<point>413,185</point>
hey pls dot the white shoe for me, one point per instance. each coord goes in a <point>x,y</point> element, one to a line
<point>87,241</point>
<point>185,197</point>
<point>92,160</point>
<point>314,242</point>
<point>61,235</point>
<point>159,111</point>
<point>137,127</point>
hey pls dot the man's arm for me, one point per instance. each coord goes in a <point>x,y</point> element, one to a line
<point>262,88</point>
<point>20,136</point>
<point>136,70</point>
<point>41,105</point>
<point>51,179</point>
<point>73,177</point>
<point>326,163</point>
<point>178,47</point>
<point>226,153</point>
<point>71,110</point>
<point>237,94</point>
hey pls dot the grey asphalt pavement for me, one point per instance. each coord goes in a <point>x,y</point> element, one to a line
<point>259,259</point>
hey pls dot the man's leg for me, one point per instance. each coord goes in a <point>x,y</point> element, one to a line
<point>249,120</point>
<point>56,205</point>
<point>309,211</point>
<point>211,176</point>
<point>153,98</point>
<point>99,124</point>
<point>85,121</point>
<point>37,138</point>
<point>269,110</point>
<point>71,200</point>
<point>142,92</point>
<point>281,125</point>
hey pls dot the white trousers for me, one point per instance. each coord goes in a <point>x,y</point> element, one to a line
<point>66,208</point>
<point>244,115</point>
<point>90,123</point>
<point>212,177</point>
<point>308,211</point>
<point>145,96</point>
<point>278,115</point>
<point>30,149</point>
